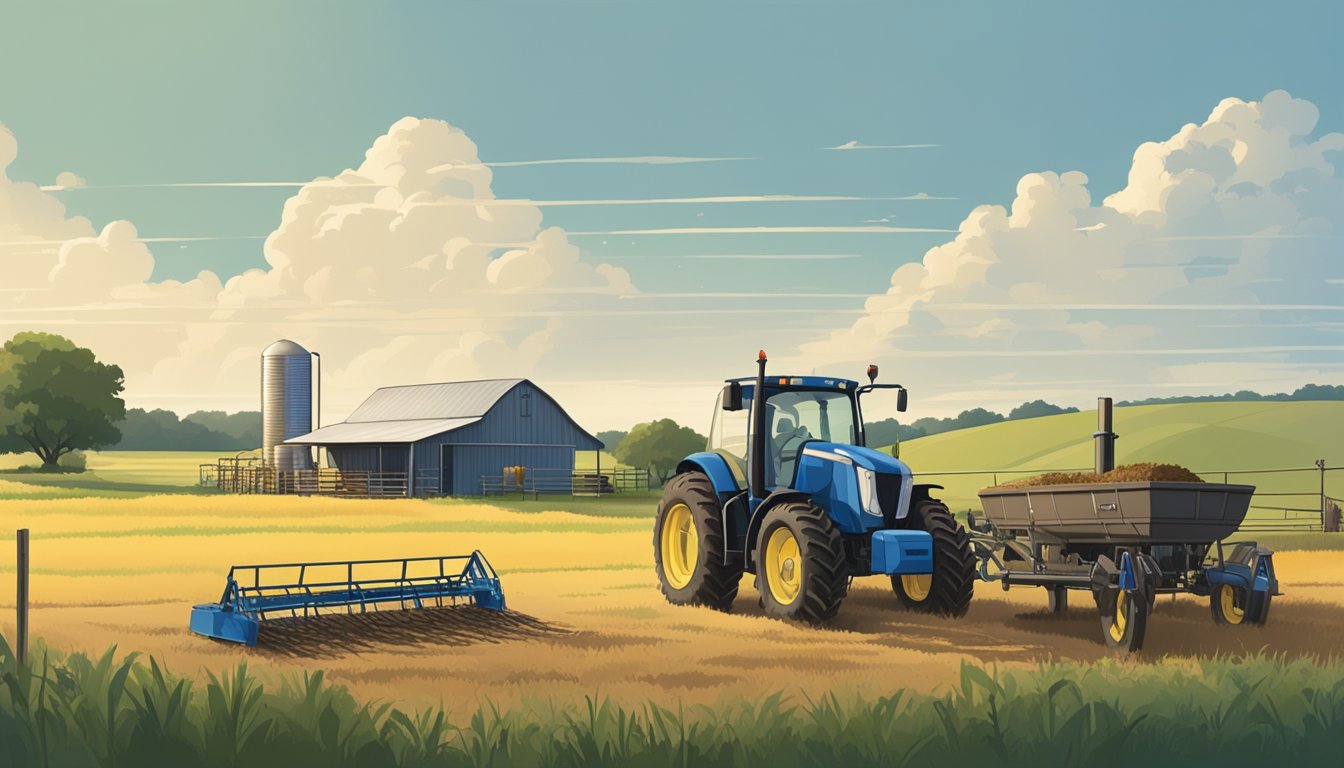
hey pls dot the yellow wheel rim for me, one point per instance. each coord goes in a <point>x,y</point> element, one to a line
<point>783,566</point>
<point>680,544</point>
<point>1120,620</point>
<point>917,586</point>
<point>1227,601</point>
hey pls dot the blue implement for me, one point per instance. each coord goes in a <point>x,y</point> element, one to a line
<point>253,593</point>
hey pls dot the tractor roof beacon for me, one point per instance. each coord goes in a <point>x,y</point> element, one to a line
<point>787,491</point>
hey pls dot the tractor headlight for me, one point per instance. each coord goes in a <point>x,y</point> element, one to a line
<point>868,491</point>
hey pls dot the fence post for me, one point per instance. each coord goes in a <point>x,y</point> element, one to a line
<point>1325,510</point>
<point>21,644</point>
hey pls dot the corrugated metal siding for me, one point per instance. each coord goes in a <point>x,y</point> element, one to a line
<point>545,439</point>
<point>472,462</point>
<point>458,399</point>
<point>547,424</point>
<point>387,457</point>
<point>354,458</point>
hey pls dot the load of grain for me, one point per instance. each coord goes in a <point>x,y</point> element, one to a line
<point>1130,473</point>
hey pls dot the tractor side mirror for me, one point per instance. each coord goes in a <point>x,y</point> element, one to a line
<point>901,399</point>
<point>732,397</point>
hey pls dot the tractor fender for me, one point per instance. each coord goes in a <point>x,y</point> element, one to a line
<point>776,497</point>
<point>715,467</point>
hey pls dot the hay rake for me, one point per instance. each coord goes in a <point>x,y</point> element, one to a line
<point>254,593</point>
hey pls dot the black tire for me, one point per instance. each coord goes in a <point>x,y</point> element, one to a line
<point>1236,606</point>
<point>1124,618</point>
<point>709,581</point>
<point>823,581</point>
<point>1058,599</point>
<point>1258,612</point>
<point>949,592</point>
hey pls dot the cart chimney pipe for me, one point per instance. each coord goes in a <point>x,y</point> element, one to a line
<point>758,436</point>
<point>1104,437</point>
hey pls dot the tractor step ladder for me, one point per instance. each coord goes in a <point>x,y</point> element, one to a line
<point>255,593</point>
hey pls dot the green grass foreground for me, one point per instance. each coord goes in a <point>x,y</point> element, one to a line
<point>82,711</point>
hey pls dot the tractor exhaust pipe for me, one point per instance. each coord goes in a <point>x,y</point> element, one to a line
<point>758,427</point>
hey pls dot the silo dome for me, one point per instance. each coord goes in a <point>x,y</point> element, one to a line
<point>286,396</point>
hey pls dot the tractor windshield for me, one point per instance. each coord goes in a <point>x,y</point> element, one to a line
<point>794,417</point>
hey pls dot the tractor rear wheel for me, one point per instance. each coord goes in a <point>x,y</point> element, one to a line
<point>688,545</point>
<point>947,591</point>
<point>800,563</point>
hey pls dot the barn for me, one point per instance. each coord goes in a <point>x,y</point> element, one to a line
<point>450,436</point>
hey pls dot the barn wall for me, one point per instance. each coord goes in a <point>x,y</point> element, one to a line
<point>471,462</point>
<point>389,457</point>
<point>354,458</point>
<point>545,438</point>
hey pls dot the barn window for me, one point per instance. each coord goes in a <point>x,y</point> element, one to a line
<point>525,404</point>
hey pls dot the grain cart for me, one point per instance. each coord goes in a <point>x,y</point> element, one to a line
<point>1126,543</point>
<point>786,491</point>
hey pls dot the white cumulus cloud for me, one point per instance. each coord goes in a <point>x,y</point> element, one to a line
<point>1225,222</point>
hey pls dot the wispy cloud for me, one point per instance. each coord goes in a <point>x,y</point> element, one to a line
<point>622,160</point>
<point>54,244</point>
<point>705,200</point>
<point>768,230</point>
<point>747,295</point>
<point>848,145</point>
<point>774,256</point>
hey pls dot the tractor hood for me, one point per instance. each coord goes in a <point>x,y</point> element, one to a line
<point>867,458</point>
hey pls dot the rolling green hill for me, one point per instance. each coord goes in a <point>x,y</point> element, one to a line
<point>1204,437</point>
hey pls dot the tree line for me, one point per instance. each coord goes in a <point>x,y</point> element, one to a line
<point>56,398</point>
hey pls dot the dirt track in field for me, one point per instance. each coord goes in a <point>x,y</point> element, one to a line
<point>586,615</point>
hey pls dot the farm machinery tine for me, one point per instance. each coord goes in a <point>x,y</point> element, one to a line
<point>238,615</point>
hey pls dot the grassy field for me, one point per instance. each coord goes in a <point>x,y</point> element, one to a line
<point>105,710</point>
<point>1200,436</point>
<point>125,571</point>
<point>111,474</point>
<point>118,560</point>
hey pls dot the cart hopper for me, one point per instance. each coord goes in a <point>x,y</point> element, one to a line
<point>1120,513</point>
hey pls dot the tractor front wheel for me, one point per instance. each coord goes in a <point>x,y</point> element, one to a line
<point>946,591</point>
<point>800,563</point>
<point>688,545</point>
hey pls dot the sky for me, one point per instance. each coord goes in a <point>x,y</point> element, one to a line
<point>625,200</point>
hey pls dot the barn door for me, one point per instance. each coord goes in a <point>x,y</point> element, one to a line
<point>446,470</point>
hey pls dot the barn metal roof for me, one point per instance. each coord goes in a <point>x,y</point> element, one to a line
<point>453,400</point>
<point>400,431</point>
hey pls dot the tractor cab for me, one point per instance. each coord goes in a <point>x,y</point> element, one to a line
<point>798,410</point>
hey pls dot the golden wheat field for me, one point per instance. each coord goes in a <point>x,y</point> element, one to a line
<point>127,571</point>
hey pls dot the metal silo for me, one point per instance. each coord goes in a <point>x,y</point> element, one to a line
<point>286,399</point>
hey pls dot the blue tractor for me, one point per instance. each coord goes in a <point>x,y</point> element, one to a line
<point>786,490</point>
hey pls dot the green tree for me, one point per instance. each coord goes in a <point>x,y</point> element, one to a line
<point>56,398</point>
<point>611,438</point>
<point>1037,408</point>
<point>659,446</point>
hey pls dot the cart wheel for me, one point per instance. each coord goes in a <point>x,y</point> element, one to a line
<point>1238,605</point>
<point>1257,611</point>
<point>1059,599</point>
<point>1124,618</point>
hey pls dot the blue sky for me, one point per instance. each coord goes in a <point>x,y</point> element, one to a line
<point>207,92</point>
<point>178,93</point>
